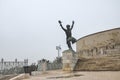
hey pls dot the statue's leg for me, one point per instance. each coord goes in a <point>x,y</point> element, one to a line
<point>73,40</point>
<point>69,45</point>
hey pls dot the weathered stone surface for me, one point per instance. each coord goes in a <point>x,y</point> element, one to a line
<point>99,43</point>
<point>99,51</point>
<point>69,60</point>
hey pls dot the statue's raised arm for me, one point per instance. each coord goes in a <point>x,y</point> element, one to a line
<point>72,24</point>
<point>61,25</point>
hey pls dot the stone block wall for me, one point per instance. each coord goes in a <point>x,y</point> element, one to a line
<point>99,44</point>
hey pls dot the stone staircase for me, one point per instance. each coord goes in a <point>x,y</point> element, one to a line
<point>111,62</point>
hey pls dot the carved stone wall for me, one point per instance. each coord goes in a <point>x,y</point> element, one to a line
<point>99,51</point>
<point>99,44</point>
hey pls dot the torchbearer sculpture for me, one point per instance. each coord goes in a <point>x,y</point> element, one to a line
<point>68,33</point>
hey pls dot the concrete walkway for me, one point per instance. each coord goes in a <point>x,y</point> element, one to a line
<point>81,75</point>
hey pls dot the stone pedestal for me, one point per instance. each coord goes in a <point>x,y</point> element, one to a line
<point>69,60</point>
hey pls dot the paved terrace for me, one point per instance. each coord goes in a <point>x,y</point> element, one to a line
<point>80,75</point>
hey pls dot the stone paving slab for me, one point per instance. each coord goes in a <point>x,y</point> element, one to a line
<point>80,75</point>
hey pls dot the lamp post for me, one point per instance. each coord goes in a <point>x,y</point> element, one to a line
<point>58,48</point>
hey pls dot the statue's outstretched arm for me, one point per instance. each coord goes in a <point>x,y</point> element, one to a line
<point>72,25</point>
<point>61,25</point>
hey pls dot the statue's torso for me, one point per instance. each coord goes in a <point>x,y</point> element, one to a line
<point>68,33</point>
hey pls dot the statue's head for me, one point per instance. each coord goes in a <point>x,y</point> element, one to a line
<point>68,26</point>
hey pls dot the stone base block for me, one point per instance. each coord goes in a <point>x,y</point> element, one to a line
<point>69,60</point>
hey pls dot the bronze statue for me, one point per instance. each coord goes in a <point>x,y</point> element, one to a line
<point>68,33</point>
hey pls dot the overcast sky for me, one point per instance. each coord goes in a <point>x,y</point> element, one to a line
<point>30,29</point>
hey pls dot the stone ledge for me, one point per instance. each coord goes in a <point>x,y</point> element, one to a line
<point>21,76</point>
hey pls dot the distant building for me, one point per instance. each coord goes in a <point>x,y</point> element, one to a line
<point>12,64</point>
